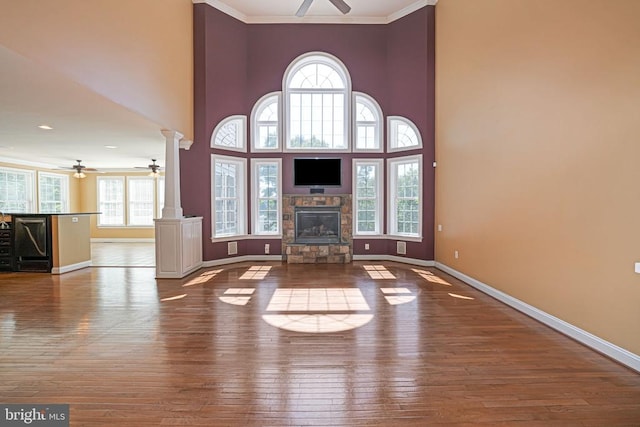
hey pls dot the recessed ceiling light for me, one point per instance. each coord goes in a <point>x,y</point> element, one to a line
<point>45,127</point>
<point>110,146</point>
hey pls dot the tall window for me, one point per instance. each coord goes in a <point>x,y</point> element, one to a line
<point>111,201</point>
<point>53,192</point>
<point>368,124</point>
<point>229,201</point>
<point>16,190</point>
<point>367,196</point>
<point>160,196</point>
<point>266,123</point>
<point>405,196</point>
<point>317,93</point>
<point>267,184</point>
<point>140,200</point>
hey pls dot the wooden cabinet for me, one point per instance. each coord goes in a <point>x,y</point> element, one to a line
<point>6,251</point>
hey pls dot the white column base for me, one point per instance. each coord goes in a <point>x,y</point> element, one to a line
<point>178,247</point>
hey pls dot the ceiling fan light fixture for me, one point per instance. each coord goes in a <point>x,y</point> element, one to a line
<point>154,174</point>
<point>79,175</point>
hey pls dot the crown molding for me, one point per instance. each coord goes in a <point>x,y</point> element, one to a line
<point>363,20</point>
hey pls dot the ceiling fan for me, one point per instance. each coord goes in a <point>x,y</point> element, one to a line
<point>154,167</point>
<point>340,4</point>
<point>80,169</point>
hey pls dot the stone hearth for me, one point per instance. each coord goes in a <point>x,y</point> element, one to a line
<point>334,253</point>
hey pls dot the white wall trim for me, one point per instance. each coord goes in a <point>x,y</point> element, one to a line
<point>71,267</point>
<point>345,19</point>
<point>619,354</point>
<point>243,258</point>
<point>413,261</point>
<point>122,240</point>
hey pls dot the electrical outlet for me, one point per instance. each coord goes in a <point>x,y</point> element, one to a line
<point>366,246</point>
<point>638,267</point>
<point>439,227</point>
<point>266,248</point>
<point>455,254</point>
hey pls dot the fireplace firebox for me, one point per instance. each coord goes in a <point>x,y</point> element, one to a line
<point>317,225</point>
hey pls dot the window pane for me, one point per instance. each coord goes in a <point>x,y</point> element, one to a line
<point>141,201</point>
<point>407,198</point>
<point>52,193</point>
<point>111,201</point>
<point>16,191</point>
<point>267,197</point>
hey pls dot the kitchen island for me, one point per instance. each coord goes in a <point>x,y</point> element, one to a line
<point>47,243</point>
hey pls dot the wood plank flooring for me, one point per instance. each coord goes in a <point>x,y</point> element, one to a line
<point>403,346</point>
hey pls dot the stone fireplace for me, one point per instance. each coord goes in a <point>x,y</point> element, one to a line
<point>317,229</point>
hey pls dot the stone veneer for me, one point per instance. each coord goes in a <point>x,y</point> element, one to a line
<point>297,253</point>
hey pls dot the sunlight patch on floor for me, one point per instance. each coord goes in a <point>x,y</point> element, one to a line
<point>378,272</point>
<point>317,323</point>
<point>203,278</point>
<point>256,272</point>
<point>429,276</point>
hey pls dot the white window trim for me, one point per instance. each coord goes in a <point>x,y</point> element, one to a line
<point>65,191</point>
<point>379,124</point>
<point>242,138</point>
<point>124,201</point>
<point>254,120</point>
<point>30,202</point>
<point>159,194</point>
<point>241,190</point>
<point>128,201</point>
<point>391,212</point>
<point>391,147</point>
<point>379,163</point>
<point>294,66</point>
<point>254,196</point>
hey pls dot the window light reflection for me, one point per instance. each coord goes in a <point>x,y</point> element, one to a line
<point>237,296</point>
<point>173,298</point>
<point>460,296</point>
<point>203,278</point>
<point>235,300</point>
<point>429,276</point>
<point>399,299</point>
<point>256,272</point>
<point>378,272</point>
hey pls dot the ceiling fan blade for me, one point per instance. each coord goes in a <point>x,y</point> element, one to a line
<point>303,8</point>
<point>341,5</point>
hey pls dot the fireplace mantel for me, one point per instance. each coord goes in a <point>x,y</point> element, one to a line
<point>336,252</point>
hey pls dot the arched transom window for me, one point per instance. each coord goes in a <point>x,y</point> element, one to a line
<point>317,91</point>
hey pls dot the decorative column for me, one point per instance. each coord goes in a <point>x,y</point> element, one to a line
<point>178,239</point>
<point>172,206</point>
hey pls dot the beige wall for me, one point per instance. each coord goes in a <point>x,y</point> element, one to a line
<point>144,45</point>
<point>70,240</point>
<point>538,150</point>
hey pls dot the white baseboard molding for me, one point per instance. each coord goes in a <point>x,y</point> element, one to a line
<point>243,258</point>
<point>178,274</point>
<point>619,354</point>
<point>71,267</point>
<point>394,258</point>
<point>121,240</point>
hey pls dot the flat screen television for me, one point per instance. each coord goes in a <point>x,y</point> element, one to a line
<point>317,172</point>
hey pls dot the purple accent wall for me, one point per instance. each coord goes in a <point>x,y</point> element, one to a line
<point>235,64</point>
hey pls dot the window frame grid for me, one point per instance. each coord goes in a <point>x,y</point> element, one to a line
<point>128,202</point>
<point>256,125</point>
<point>378,123</point>
<point>378,198</point>
<point>392,135</point>
<point>64,191</point>
<point>392,202</point>
<point>29,202</point>
<point>122,202</point>
<point>255,199</point>
<point>241,137</point>
<point>240,198</point>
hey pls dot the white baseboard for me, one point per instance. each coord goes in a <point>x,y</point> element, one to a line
<point>121,240</point>
<point>394,258</point>
<point>243,258</point>
<point>71,267</point>
<point>619,354</point>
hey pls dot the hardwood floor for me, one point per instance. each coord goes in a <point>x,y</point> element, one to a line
<point>375,344</point>
<point>129,254</point>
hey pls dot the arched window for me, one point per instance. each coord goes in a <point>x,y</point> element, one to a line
<point>317,90</point>
<point>230,134</point>
<point>367,124</point>
<point>403,134</point>
<point>265,119</point>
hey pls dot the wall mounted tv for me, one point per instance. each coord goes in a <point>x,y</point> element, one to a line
<point>317,172</point>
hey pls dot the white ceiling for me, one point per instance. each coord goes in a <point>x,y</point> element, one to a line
<point>84,122</point>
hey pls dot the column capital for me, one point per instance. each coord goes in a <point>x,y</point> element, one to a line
<point>170,133</point>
